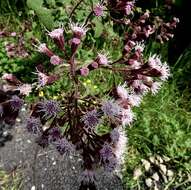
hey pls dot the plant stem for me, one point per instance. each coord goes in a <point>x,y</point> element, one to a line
<point>73,10</point>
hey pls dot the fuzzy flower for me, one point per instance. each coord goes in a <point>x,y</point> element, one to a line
<point>128,8</point>
<point>102,59</point>
<point>55,60</point>
<point>134,64</point>
<point>114,135</point>
<point>98,10</point>
<point>56,34</point>
<point>64,146</point>
<point>91,119</point>
<point>135,99</point>
<point>155,62</point>
<point>79,31</point>
<point>25,89</point>
<point>165,72</point>
<point>16,103</point>
<point>122,92</point>
<point>34,125</point>
<point>106,152</point>
<point>127,117</point>
<point>94,65</point>
<point>87,177</point>
<point>120,146</point>
<point>42,48</point>
<point>139,46</point>
<point>84,71</point>
<point>50,108</point>
<point>155,87</point>
<point>42,78</point>
<point>54,134</point>
<point>110,164</point>
<point>139,86</point>
<point>111,109</point>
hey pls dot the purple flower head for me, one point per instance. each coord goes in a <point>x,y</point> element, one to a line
<point>106,152</point>
<point>110,164</point>
<point>75,41</point>
<point>34,125</point>
<point>111,109</point>
<point>114,135</point>
<point>128,8</point>
<point>54,134</point>
<point>91,119</point>
<point>94,65</point>
<point>98,10</point>
<point>42,48</point>
<point>50,108</point>
<point>64,146</point>
<point>42,79</point>
<point>56,34</point>
<point>16,103</point>
<point>1,110</point>
<point>25,89</point>
<point>79,31</point>
<point>55,60</point>
<point>155,87</point>
<point>102,59</point>
<point>87,177</point>
<point>127,117</point>
<point>84,71</point>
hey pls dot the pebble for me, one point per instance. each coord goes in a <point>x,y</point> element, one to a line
<point>33,187</point>
<point>148,182</point>
<point>54,163</point>
<point>155,176</point>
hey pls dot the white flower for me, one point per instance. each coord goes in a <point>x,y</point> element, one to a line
<point>136,65</point>
<point>140,86</point>
<point>25,89</point>
<point>42,48</point>
<point>120,146</point>
<point>122,92</point>
<point>165,72</point>
<point>155,62</point>
<point>155,87</point>
<point>78,30</point>
<point>135,99</point>
<point>140,46</point>
<point>127,117</point>
<point>57,33</point>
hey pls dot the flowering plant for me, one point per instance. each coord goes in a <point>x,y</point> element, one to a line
<point>73,123</point>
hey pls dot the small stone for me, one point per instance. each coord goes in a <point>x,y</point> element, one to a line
<point>33,187</point>
<point>159,159</point>
<point>152,159</point>
<point>54,163</point>
<point>18,120</point>
<point>28,141</point>
<point>146,164</point>
<point>42,186</point>
<point>73,168</point>
<point>163,168</point>
<point>170,173</point>
<point>148,182</point>
<point>155,176</point>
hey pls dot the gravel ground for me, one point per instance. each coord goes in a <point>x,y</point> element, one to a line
<point>45,169</point>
